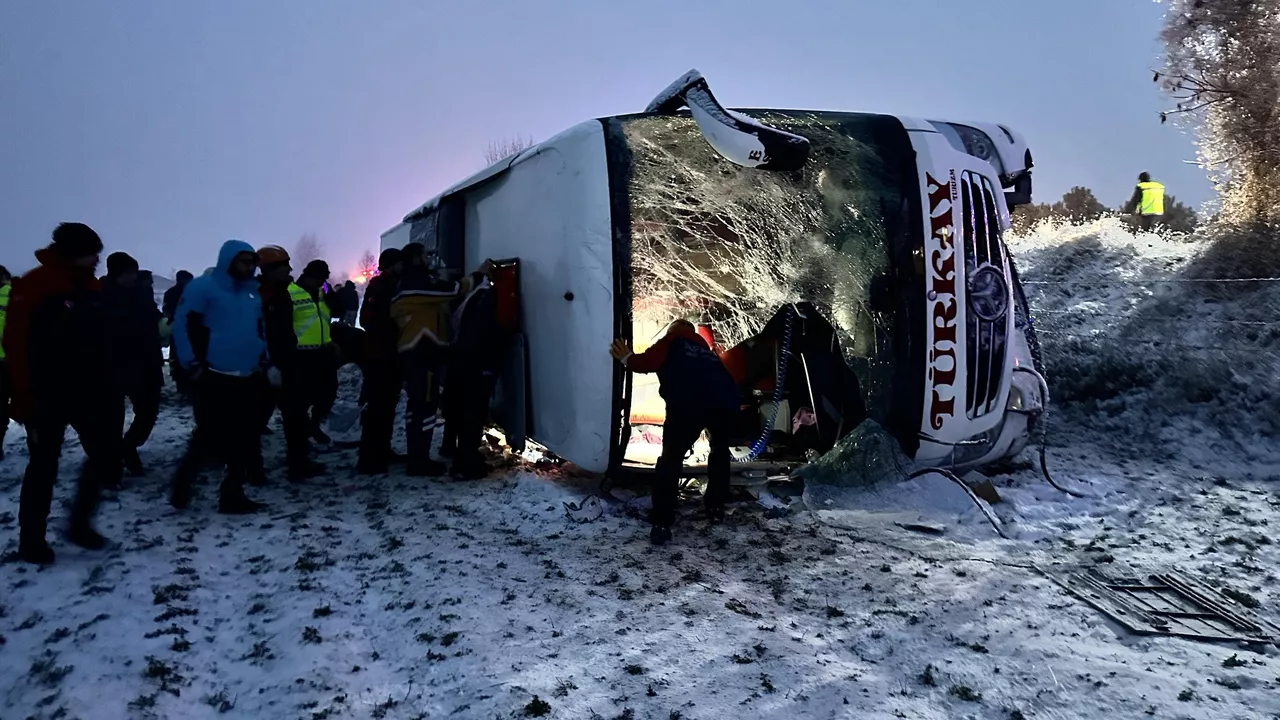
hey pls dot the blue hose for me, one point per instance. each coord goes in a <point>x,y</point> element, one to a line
<point>762,442</point>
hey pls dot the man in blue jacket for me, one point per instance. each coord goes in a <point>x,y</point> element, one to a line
<point>231,378</point>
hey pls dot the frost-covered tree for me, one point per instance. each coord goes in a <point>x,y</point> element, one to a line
<point>308,248</point>
<point>505,148</point>
<point>1026,217</point>
<point>1079,205</point>
<point>1222,69</point>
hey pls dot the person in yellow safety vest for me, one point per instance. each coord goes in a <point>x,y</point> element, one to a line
<point>311,380</point>
<point>6,283</point>
<point>1147,201</point>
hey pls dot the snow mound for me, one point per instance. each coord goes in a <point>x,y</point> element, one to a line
<point>1158,339</point>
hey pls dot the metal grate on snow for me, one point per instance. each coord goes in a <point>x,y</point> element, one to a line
<point>987,289</point>
<point>1167,603</point>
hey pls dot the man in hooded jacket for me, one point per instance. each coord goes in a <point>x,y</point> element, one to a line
<point>133,353</point>
<point>230,380</point>
<point>6,284</point>
<point>55,345</point>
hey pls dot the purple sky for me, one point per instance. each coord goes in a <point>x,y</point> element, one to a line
<point>171,126</point>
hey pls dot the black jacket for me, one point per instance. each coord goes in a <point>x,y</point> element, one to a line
<point>134,356</point>
<point>479,340</point>
<point>171,298</point>
<point>382,334</point>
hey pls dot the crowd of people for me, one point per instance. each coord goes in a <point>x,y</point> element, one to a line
<point>246,338</point>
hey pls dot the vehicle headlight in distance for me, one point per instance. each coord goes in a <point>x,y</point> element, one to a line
<point>979,145</point>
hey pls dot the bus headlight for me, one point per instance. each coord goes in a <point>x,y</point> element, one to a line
<point>979,145</point>
<point>1016,402</point>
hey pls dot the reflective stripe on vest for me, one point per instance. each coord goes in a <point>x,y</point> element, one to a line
<point>4,315</point>
<point>310,319</point>
<point>1152,198</point>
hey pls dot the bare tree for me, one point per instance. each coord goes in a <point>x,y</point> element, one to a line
<point>308,248</point>
<point>505,148</point>
<point>1222,69</point>
<point>368,264</point>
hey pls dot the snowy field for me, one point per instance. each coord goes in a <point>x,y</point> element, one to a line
<point>408,598</point>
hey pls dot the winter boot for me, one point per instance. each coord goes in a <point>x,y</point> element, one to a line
<point>85,536</point>
<point>180,495</point>
<point>368,467</point>
<point>319,436</point>
<point>257,478</point>
<point>237,504</point>
<point>303,470</point>
<point>426,468</point>
<point>232,500</point>
<point>715,514</point>
<point>660,535</point>
<point>35,551</point>
<point>132,462</point>
<point>470,471</point>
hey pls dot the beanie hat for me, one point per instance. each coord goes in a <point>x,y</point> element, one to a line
<point>119,263</point>
<point>75,240</point>
<point>317,269</point>
<point>413,251</point>
<point>390,257</point>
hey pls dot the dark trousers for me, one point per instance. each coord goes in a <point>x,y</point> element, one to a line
<point>309,391</point>
<point>146,410</point>
<point>422,392</point>
<point>4,403</point>
<point>100,441</point>
<point>380,393</point>
<point>1146,222</point>
<point>267,406</point>
<point>227,429</point>
<point>177,374</point>
<point>679,433</point>
<point>468,395</point>
<point>450,412</point>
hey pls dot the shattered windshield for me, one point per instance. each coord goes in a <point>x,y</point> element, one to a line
<point>729,246</point>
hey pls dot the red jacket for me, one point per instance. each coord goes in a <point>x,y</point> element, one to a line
<point>690,375</point>
<point>55,342</point>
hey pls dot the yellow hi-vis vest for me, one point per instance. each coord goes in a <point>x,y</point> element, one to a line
<point>4,314</point>
<point>310,319</point>
<point>1152,198</point>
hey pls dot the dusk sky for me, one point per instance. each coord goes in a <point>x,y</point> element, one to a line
<point>170,126</point>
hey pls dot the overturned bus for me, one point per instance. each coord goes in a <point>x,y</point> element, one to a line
<point>845,266</point>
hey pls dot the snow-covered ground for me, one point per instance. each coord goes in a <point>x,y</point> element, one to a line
<point>407,598</point>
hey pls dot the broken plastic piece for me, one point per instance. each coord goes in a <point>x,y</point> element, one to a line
<point>736,137</point>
